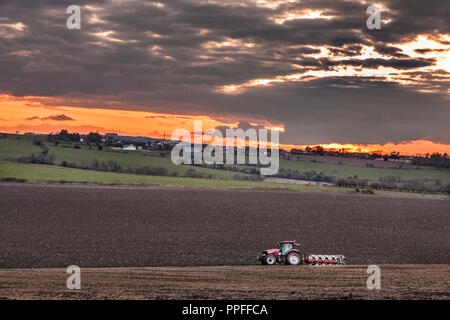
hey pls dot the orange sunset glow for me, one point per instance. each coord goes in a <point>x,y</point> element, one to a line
<point>26,115</point>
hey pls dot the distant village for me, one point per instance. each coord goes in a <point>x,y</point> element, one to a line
<point>315,153</point>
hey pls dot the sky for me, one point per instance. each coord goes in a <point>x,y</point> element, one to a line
<point>310,69</point>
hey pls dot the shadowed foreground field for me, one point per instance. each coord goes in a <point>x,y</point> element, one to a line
<point>54,226</point>
<point>244,282</point>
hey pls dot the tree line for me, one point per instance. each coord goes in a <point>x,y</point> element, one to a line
<point>436,160</point>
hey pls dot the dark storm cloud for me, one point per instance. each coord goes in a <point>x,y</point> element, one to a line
<point>33,118</point>
<point>244,125</point>
<point>428,50</point>
<point>375,63</point>
<point>172,58</point>
<point>59,117</point>
<point>392,51</point>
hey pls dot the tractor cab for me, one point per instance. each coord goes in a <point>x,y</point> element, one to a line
<point>286,246</point>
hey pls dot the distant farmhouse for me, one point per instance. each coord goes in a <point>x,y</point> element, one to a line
<point>129,147</point>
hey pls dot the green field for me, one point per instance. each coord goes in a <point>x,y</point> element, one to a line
<point>345,171</point>
<point>13,148</point>
<point>38,172</point>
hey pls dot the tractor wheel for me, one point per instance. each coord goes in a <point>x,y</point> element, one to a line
<point>270,259</point>
<point>293,258</point>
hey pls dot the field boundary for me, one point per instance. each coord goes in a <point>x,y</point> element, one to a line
<point>166,187</point>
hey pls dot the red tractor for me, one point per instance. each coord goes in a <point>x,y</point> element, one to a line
<point>288,255</point>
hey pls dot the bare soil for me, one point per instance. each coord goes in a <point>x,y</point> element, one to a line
<point>54,226</point>
<point>244,282</point>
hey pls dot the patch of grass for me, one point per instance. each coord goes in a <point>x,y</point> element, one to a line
<point>12,148</point>
<point>20,172</point>
<point>345,171</point>
<point>15,148</point>
<point>33,172</point>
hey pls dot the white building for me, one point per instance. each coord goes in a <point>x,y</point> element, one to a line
<point>129,147</point>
